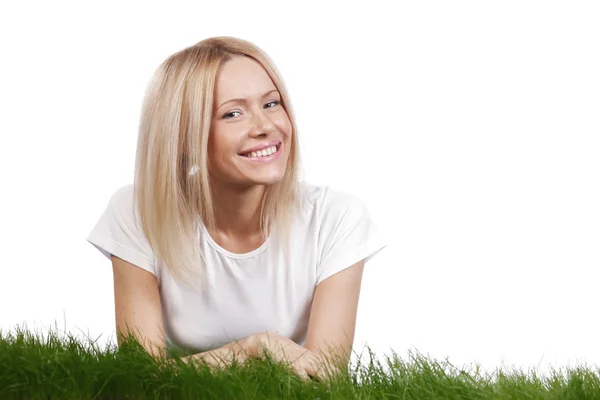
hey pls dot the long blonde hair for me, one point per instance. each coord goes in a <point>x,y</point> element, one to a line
<point>173,139</point>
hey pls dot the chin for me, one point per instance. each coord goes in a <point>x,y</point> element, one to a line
<point>268,180</point>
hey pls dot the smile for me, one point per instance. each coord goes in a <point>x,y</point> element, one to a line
<point>264,155</point>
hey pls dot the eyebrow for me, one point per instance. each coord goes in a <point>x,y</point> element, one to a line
<point>244,100</point>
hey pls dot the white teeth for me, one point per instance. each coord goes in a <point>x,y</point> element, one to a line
<point>264,152</point>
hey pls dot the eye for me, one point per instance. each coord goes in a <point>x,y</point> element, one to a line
<point>272,102</point>
<point>230,115</point>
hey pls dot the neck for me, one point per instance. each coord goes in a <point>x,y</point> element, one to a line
<point>237,210</point>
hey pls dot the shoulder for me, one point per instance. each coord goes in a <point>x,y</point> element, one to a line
<point>328,198</point>
<point>123,195</point>
<point>122,203</point>
<point>122,210</point>
<point>344,231</point>
<point>118,231</point>
<point>331,204</point>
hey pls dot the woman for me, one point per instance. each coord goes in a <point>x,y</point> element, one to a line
<point>217,247</point>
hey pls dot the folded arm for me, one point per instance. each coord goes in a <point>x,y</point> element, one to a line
<point>330,332</point>
<point>333,312</point>
<point>138,312</point>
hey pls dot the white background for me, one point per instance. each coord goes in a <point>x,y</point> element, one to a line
<point>470,129</point>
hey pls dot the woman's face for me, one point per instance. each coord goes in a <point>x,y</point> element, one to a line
<point>250,131</point>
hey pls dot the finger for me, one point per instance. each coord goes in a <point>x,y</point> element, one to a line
<point>301,371</point>
<point>302,374</point>
<point>307,371</point>
<point>318,372</point>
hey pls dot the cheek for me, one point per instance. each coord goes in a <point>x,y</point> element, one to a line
<point>215,147</point>
<point>217,142</point>
<point>212,135</point>
<point>284,125</point>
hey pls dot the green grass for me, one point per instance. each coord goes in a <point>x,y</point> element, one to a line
<point>53,366</point>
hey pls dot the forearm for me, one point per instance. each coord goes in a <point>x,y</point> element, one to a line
<point>333,359</point>
<point>223,357</point>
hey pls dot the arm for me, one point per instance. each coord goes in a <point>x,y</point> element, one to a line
<point>332,320</point>
<point>137,306</point>
<point>138,311</point>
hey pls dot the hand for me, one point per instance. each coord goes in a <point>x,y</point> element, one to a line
<point>304,362</point>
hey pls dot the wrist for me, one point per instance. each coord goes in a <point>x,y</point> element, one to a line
<point>250,344</point>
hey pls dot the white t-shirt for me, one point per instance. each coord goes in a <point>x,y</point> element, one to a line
<point>259,291</point>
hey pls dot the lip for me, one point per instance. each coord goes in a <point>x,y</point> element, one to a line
<point>265,159</point>
<point>261,146</point>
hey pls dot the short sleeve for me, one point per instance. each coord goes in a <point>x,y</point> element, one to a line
<point>118,232</point>
<point>347,234</point>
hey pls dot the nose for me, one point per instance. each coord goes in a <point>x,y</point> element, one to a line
<point>261,124</point>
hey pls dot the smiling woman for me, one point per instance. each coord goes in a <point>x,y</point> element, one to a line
<point>217,246</point>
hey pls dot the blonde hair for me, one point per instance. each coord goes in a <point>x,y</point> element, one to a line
<point>173,139</point>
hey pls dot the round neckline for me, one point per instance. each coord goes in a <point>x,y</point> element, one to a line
<point>228,253</point>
